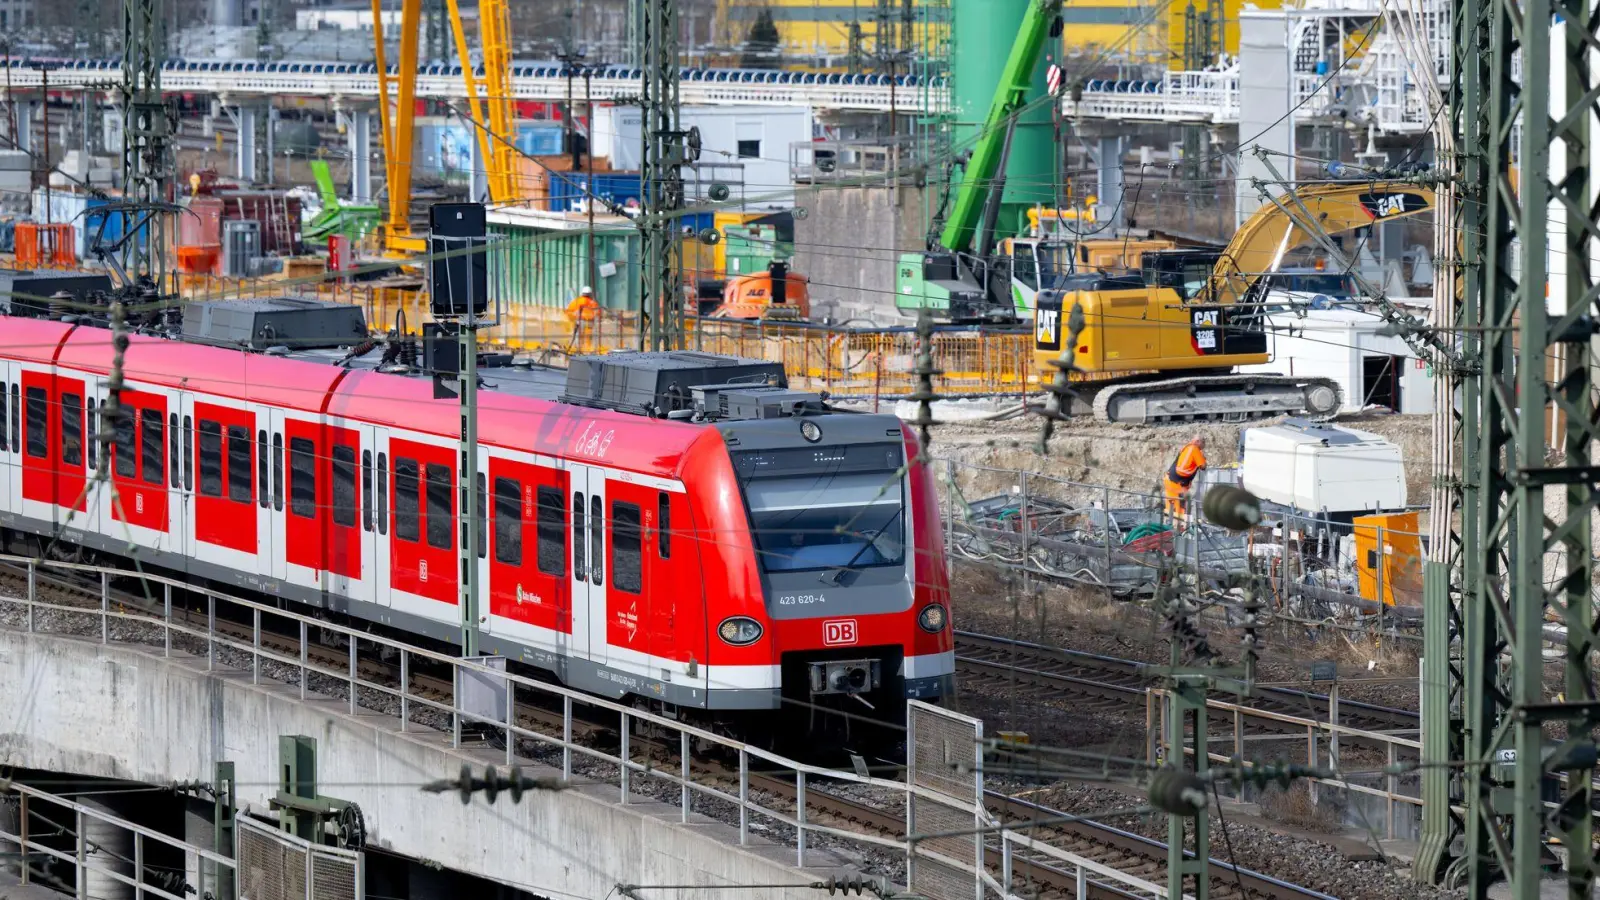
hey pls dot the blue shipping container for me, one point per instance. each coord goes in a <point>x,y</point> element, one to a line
<point>568,190</point>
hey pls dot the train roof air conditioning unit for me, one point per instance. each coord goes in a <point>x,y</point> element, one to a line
<point>660,384</point>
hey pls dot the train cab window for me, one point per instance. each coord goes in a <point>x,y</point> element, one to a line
<point>72,429</point>
<point>597,541</point>
<point>406,525</point>
<point>664,525</point>
<point>38,415</point>
<point>124,453</point>
<point>508,521</point>
<point>277,473</point>
<point>303,477</point>
<point>344,485</point>
<point>579,570</point>
<point>188,453</point>
<point>438,512</point>
<point>366,490</point>
<point>210,458</point>
<point>480,512</point>
<point>627,548</point>
<point>553,532</point>
<point>239,464</point>
<point>172,447</point>
<point>151,435</point>
<point>261,468</point>
<point>383,493</point>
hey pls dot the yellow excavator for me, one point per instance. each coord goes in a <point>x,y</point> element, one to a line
<point>1161,345</point>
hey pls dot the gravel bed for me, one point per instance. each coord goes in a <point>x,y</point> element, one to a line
<point>1288,857</point>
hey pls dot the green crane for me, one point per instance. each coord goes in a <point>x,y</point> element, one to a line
<point>351,220</point>
<point>960,276</point>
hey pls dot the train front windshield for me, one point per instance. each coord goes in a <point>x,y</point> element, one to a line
<point>816,509</point>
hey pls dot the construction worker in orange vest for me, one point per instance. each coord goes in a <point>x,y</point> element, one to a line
<point>1180,475</point>
<point>581,312</point>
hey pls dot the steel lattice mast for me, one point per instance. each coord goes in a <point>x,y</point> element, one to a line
<point>1509,557</point>
<point>146,131</point>
<point>665,153</point>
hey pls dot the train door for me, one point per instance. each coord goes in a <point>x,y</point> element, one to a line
<point>136,503</point>
<point>177,522</point>
<point>9,468</point>
<point>345,537</point>
<point>588,486</point>
<point>375,518</point>
<point>276,561</point>
<point>181,452</point>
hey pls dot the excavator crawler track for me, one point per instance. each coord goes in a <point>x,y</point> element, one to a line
<point>1221,398</point>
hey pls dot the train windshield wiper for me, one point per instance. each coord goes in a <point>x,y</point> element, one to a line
<point>832,576</point>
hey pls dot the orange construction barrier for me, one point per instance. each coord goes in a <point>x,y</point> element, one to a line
<point>42,246</point>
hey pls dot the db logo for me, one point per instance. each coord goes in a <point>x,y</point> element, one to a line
<point>839,631</point>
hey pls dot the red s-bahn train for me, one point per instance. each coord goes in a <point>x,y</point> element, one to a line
<point>677,527</point>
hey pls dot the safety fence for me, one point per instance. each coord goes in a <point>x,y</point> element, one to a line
<point>80,848</point>
<point>844,361</point>
<point>274,865</point>
<point>1126,542</point>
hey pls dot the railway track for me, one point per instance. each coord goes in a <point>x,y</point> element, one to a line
<point>1109,684</point>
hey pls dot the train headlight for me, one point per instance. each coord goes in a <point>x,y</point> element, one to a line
<point>739,631</point>
<point>931,619</point>
<point>811,431</point>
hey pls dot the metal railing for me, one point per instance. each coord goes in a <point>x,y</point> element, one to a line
<point>204,632</point>
<point>38,847</point>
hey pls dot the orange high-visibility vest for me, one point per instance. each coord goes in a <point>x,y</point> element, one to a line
<point>1191,459</point>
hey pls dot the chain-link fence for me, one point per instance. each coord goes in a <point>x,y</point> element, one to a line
<point>946,761</point>
<point>273,865</point>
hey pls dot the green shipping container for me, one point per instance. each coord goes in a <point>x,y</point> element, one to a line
<point>547,268</point>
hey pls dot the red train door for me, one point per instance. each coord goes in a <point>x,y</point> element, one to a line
<point>224,478</point>
<point>68,456</point>
<point>138,466</point>
<point>528,553</point>
<point>422,560</point>
<point>342,521</point>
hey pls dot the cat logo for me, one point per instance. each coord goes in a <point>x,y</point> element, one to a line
<point>1387,206</point>
<point>1047,324</point>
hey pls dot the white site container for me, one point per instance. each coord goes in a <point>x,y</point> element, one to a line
<point>1321,468</point>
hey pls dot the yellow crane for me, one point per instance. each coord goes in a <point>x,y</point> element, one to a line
<point>489,104</point>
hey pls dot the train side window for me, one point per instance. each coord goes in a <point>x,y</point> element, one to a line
<point>303,477</point>
<point>553,532</point>
<point>16,416</point>
<point>481,512</point>
<point>188,453</point>
<point>597,541</point>
<point>262,469</point>
<point>210,457</point>
<point>508,521</point>
<point>239,464</point>
<point>627,548</point>
<point>383,493</point>
<point>438,512</point>
<point>344,485</point>
<point>366,490</point>
<point>151,437</point>
<point>38,416</point>
<point>72,429</point>
<point>5,443</point>
<point>89,423</point>
<point>124,454</point>
<point>664,525</point>
<point>406,524</point>
<point>277,473</point>
<point>172,448</point>
<point>579,570</point>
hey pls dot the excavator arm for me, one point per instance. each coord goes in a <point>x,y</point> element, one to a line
<point>1322,210</point>
<point>966,212</point>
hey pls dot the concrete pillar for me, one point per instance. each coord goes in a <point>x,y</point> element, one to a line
<point>244,118</point>
<point>24,119</point>
<point>360,135</point>
<point>1110,208</point>
<point>272,150</point>
<point>1266,112</point>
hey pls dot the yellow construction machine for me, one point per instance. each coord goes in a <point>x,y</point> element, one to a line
<point>1161,345</point>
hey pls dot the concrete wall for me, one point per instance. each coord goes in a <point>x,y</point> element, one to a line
<point>75,706</point>
<point>848,243</point>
